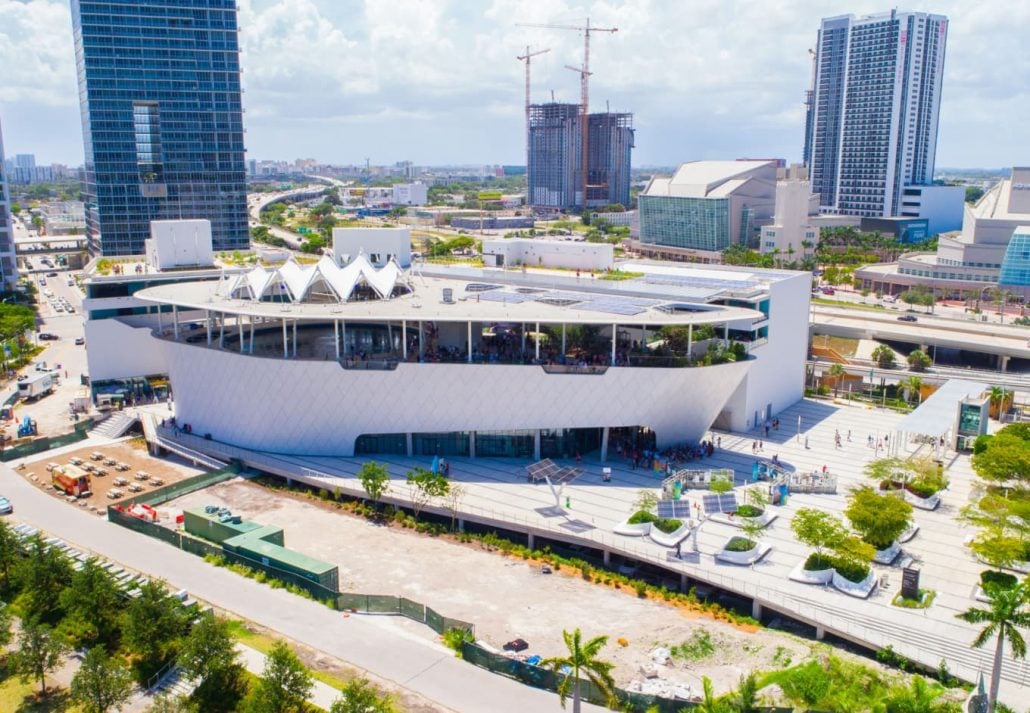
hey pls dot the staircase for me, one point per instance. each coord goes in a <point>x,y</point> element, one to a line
<point>114,426</point>
<point>173,684</point>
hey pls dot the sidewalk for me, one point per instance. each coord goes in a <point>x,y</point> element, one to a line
<point>322,694</point>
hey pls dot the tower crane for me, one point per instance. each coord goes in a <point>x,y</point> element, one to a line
<point>584,86</point>
<point>526,58</point>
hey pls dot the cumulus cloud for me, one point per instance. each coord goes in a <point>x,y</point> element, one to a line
<point>437,80</point>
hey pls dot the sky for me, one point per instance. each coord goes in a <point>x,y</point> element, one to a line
<point>437,81</point>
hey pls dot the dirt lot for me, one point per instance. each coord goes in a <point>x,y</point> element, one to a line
<point>506,598</point>
<point>169,470</point>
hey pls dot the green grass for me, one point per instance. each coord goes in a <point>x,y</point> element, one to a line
<point>19,697</point>
<point>264,643</point>
<point>618,275</point>
<point>848,305</point>
<point>926,597</point>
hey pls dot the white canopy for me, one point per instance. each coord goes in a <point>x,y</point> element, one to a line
<point>295,281</point>
<point>936,416</point>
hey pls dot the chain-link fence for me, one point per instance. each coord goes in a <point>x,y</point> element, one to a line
<point>46,443</point>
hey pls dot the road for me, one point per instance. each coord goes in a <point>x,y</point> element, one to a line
<point>374,644</point>
<point>256,202</point>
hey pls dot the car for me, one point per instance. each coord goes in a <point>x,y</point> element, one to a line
<point>79,341</point>
<point>908,318</point>
<point>5,506</point>
<point>42,281</point>
<point>51,274</point>
<point>48,337</point>
<point>829,291</point>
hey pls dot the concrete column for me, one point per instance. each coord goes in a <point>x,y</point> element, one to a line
<point>756,610</point>
<point>221,329</point>
<point>286,349</point>
<point>690,341</point>
<point>615,332</point>
<point>160,326</point>
<point>820,633</point>
<point>523,339</point>
<point>404,339</point>
<point>472,444</point>
<point>294,339</point>
<point>531,541</point>
<point>607,557</point>
<point>251,349</point>
<point>604,444</point>
<point>563,339</point>
<point>536,444</point>
<point>207,322</point>
<point>421,343</point>
<point>409,445</point>
<point>1003,363</point>
<point>461,525</point>
<point>336,337</point>
<point>175,321</point>
<point>683,582</point>
<point>537,340</point>
<point>239,324</point>
<point>470,342</point>
<point>726,335</point>
<point>343,336</point>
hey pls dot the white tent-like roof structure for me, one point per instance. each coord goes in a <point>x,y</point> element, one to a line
<point>304,283</point>
<point>936,415</point>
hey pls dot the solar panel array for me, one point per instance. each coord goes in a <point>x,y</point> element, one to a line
<point>499,296</point>
<point>726,502</point>
<point>679,509</point>
<point>548,469</point>
<point>715,283</point>
<point>608,304</point>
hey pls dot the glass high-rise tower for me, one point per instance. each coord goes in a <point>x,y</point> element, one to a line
<point>871,125</point>
<point>159,89</point>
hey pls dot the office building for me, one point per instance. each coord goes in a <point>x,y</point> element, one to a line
<point>556,157</point>
<point>873,109</point>
<point>410,194</point>
<point>973,259</point>
<point>8,261</point>
<point>159,88</point>
<point>796,224</point>
<point>706,207</point>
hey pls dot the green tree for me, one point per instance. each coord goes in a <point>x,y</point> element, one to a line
<point>40,651</point>
<point>15,208</point>
<point>6,619</point>
<point>41,577</point>
<point>152,627</point>
<point>918,697</point>
<point>709,703</point>
<point>10,553</point>
<point>879,518</point>
<point>918,360</point>
<point>1006,615</point>
<point>426,486</point>
<point>884,357</point>
<point>818,529</point>
<point>837,372</point>
<point>15,320</point>
<point>209,655</point>
<point>285,684</point>
<point>172,704</point>
<point>582,660</point>
<point>360,696</point>
<point>259,233</point>
<point>92,604</point>
<point>973,194</point>
<point>101,683</point>
<point>745,698</point>
<point>1006,458</point>
<point>375,479</point>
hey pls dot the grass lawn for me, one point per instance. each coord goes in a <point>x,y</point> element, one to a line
<point>847,305</point>
<point>264,643</point>
<point>18,697</point>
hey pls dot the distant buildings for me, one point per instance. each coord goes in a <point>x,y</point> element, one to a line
<point>159,84</point>
<point>983,254</point>
<point>871,124</point>
<point>63,218</point>
<point>706,207</point>
<point>543,252</point>
<point>794,231</point>
<point>556,157</point>
<point>410,194</point>
<point>8,262</point>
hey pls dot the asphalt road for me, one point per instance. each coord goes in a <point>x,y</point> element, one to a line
<point>372,643</point>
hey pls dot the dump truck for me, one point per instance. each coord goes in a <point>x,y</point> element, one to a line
<point>71,480</point>
<point>35,386</point>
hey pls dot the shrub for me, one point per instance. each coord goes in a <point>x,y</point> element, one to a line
<point>641,516</point>
<point>817,561</point>
<point>698,646</point>
<point>749,511</point>
<point>740,544</point>
<point>455,638</point>
<point>667,524</point>
<point>850,570</point>
<point>640,587</point>
<point>1001,580</point>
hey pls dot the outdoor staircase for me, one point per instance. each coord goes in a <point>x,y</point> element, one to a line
<point>173,684</point>
<point>115,426</point>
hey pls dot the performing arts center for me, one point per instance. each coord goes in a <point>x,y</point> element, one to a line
<point>351,359</point>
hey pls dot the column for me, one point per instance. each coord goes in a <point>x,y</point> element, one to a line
<point>160,327</point>
<point>243,341</point>
<point>563,340</point>
<point>207,322</point>
<point>472,444</point>
<point>607,555</point>
<point>523,339</point>
<point>409,445</point>
<point>421,343</point>
<point>615,332</point>
<point>536,444</point>
<point>336,337</point>
<point>286,351</point>
<point>531,540</point>
<point>175,321</point>
<point>1003,363</point>
<point>604,444</point>
<point>537,340</point>
<point>294,339</point>
<point>470,342</point>
<point>726,335</point>
<point>756,610</point>
<point>251,349</point>
<point>404,339</point>
<point>221,330</point>
<point>343,336</point>
<point>690,341</point>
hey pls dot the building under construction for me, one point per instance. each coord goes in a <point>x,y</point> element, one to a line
<point>556,157</point>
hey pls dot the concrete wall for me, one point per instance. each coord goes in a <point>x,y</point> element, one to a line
<point>115,350</point>
<point>320,408</point>
<point>548,253</point>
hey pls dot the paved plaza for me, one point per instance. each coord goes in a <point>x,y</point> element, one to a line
<point>497,492</point>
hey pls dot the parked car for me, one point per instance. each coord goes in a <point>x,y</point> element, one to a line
<point>829,291</point>
<point>48,337</point>
<point>51,274</point>
<point>79,341</point>
<point>908,318</point>
<point>5,506</point>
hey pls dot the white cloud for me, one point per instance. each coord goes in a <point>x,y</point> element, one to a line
<point>36,53</point>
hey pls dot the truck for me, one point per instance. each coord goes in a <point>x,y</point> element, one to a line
<point>37,385</point>
<point>71,480</point>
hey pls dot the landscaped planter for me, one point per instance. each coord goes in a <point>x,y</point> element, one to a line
<point>927,503</point>
<point>640,529</point>
<point>862,589</point>
<point>765,519</point>
<point>909,533</point>
<point>746,557</point>
<point>887,555</point>
<point>811,576</point>
<point>670,539</point>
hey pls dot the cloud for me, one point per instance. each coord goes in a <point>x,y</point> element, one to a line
<point>36,53</point>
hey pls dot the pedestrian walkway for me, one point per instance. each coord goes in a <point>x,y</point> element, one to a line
<point>322,694</point>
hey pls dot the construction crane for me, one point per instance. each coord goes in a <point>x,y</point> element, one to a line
<point>584,86</point>
<point>526,58</point>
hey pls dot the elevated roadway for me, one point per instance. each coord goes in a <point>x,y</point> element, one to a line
<point>1004,341</point>
<point>257,202</point>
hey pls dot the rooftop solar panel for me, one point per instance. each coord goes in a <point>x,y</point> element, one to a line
<point>710,503</point>
<point>501,296</point>
<point>612,307</point>
<point>679,509</point>
<point>728,502</point>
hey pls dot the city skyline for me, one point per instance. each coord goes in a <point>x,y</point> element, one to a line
<point>437,83</point>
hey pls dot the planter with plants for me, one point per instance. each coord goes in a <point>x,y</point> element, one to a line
<point>670,538</point>
<point>993,578</point>
<point>923,601</point>
<point>752,512</point>
<point>841,558</point>
<point>880,519</point>
<point>918,480</point>
<point>742,551</point>
<point>637,525</point>
<point>816,569</point>
<point>854,578</point>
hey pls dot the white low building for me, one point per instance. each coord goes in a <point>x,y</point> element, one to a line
<point>410,194</point>
<point>379,245</point>
<point>179,243</point>
<point>540,252</point>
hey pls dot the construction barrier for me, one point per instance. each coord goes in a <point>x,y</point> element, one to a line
<point>46,443</point>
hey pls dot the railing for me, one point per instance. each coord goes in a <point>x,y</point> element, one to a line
<point>573,369</point>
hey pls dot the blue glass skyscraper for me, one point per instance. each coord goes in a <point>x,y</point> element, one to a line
<point>162,124</point>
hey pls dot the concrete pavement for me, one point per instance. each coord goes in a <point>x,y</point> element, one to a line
<point>374,644</point>
<point>322,694</point>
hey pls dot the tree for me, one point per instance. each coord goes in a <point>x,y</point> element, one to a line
<point>454,496</point>
<point>880,519</point>
<point>745,698</point>
<point>375,479</point>
<point>5,626</point>
<point>709,703</point>
<point>40,652</point>
<point>1006,458</point>
<point>973,194</point>
<point>41,577</point>
<point>15,320</point>
<point>884,357</point>
<point>360,696</point>
<point>918,360</point>
<point>425,486</point>
<point>152,627</point>
<point>166,703</point>
<point>101,683</point>
<point>1000,400</point>
<point>818,529</point>
<point>285,684</point>
<point>918,697</point>
<point>10,552</point>
<point>1005,616</point>
<point>92,604</point>
<point>837,371</point>
<point>582,660</point>
<point>209,655</point>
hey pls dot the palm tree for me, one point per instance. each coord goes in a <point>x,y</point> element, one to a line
<point>837,371</point>
<point>745,698</point>
<point>919,697</point>
<point>1005,616</point>
<point>582,660</point>
<point>913,385</point>
<point>709,703</point>
<point>997,395</point>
